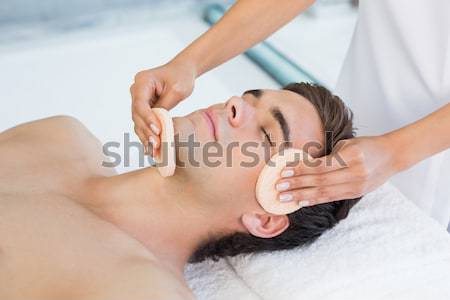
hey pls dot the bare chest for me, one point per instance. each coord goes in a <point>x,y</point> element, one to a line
<point>50,247</point>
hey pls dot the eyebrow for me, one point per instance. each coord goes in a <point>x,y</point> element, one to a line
<point>255,93</point>
<point>278,115</point>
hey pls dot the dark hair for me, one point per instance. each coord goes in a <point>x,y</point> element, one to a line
<point>308,223</point>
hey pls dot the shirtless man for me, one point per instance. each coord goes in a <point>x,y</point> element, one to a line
<point>71,228</point>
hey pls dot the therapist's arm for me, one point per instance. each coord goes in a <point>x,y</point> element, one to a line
<point>359,165</point>
<point>421,139</point>
<point>244,25</point>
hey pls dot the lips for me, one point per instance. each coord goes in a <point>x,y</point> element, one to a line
<point>209,116</point>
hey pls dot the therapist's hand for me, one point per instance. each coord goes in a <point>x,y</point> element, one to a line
<point>164,87</point>
<point>355,167</point>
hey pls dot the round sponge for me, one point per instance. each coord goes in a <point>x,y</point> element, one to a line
<point>165,158</point>
<point>266,194</point>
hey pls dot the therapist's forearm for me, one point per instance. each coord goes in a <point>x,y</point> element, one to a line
<point>244,25</point>
<point>421,139</point>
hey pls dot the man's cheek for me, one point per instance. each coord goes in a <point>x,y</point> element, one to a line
<point>250,164</point>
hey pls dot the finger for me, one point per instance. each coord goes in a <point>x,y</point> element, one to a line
<point>151,141</point>
<point>318,195</point>
<point>315,180</point>
<point>139,108</point>
<point>142,137</point>
<point>147,119</point>
<point>154,144</point>
<point>147,136</point>
<point>142,97</point>
<point>141,93</point>
<point>154,123</point>
<point>140,123</point>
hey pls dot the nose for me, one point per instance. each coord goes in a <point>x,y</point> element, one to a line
<point>238,111</point>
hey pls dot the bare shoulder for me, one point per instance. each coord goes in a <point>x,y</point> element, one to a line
<point>51,128</point>
<point>144,279</point>
<point>40,123</point>
<point>59,140</point>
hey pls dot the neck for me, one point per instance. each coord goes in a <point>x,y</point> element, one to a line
<point>163,214</point>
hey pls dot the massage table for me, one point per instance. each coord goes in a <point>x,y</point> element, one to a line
<point>385,249</point>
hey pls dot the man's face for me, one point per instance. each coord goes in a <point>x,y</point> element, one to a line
<point>234,143</point>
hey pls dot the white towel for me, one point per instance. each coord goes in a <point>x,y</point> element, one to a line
<point>385,249</point>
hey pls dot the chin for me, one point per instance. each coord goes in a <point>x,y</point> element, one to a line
<point>184,127</point>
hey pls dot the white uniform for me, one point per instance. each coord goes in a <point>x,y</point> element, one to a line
<point>397,70</point>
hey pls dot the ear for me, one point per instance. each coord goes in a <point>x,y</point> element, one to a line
<point>265,225</point>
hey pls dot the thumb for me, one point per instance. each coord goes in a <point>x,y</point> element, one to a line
<point>171,98</point>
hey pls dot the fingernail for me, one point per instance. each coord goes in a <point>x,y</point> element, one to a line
<point>303,203</point>
<point>151,144</point>
<point>286,197</point>
<point>282,186</point>
<point>287,173</point>
<point>154,128</point>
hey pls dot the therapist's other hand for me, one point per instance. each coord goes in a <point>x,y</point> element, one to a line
<point>165,87</point>
<point>355,167</point>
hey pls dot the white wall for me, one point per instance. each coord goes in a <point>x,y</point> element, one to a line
<point>13,11</point>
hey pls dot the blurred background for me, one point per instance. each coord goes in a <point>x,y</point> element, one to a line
<point>79,57</point>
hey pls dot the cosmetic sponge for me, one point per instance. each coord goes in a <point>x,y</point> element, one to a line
<point>266,193</point>
<point>165,158</point>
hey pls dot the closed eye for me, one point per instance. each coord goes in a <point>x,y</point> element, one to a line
<point>267,137</point>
